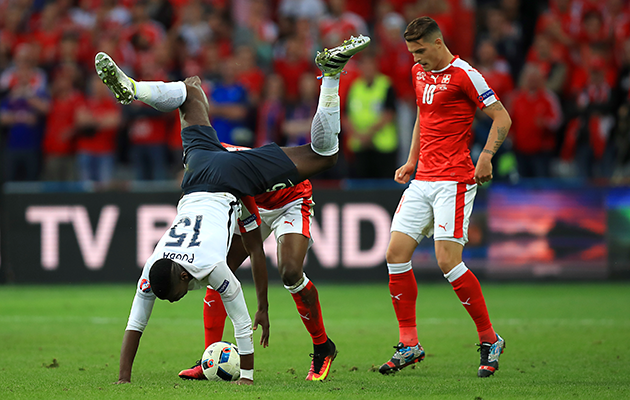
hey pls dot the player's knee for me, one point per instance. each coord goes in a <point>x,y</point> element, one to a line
<point>290,272</point>
<point>300,284</point>
<point>446,260</point>
<point>395,254</point>
<point>229,289</point>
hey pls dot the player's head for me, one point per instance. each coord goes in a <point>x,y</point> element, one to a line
<point>426,43</point>
<point>169,280</point>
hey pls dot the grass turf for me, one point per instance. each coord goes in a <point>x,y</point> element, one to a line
<point>563,341</point>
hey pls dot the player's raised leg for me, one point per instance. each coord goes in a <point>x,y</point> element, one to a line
<point>186,95</point>
<point>321,154</point>
<point>163,96</point>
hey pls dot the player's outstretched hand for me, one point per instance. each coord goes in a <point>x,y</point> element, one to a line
<point>404,173</point>
<point>262,318</point>
<point>483,171</point>
<point>243,381</point>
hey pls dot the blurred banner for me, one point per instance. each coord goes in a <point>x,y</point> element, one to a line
<point>515,233</point>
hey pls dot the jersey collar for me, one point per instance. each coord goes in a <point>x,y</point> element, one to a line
<point>447,67</point>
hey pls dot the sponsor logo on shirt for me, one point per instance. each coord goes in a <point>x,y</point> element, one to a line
<point>485,95</point>
<point>145,286</point>
<point>189,258</point>
<point>224,286</point>
<point>420,75</point>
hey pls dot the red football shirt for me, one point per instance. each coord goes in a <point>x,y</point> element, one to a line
<point>447,100</point>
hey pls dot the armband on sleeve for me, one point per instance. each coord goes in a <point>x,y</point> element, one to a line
<point>250,217</point>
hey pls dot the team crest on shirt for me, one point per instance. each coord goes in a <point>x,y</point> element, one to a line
<point>446,78</point>
<point>145,286</point>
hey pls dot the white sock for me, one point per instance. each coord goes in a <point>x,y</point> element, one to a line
<point>326,123</point>
<point>394,269</point>
<point>456,273</point>
<point>301,284</point>
<point>163,96</point>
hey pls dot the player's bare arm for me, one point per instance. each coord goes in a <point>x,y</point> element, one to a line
<point>501,123</point>
<point>131,341</point>
<point>253,243</point>
<point>404,173</point>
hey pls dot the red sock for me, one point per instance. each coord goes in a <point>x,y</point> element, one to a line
<point>404,292</point>
<point>468,290</point>
<point>214,316</point>
<point>307,302</point>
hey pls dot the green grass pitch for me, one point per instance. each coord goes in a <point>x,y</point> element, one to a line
<point>564,341</point>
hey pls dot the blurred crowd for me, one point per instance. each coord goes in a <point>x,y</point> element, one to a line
<point>561,67</point>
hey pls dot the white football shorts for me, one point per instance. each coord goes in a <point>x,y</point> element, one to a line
<point>441,209</point>
<point>293,217</point>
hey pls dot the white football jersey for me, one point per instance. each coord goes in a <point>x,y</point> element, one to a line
<point>198,239</point>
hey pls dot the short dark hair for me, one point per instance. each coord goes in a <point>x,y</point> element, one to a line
<point>420,28</point>
<point>161,277</point>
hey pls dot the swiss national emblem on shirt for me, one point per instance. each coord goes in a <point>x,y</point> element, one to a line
<point>421,75</point>
<point>446,78</point>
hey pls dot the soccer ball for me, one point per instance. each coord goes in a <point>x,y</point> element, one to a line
<point>220,361</point>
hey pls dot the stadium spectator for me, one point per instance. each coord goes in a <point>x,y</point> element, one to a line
<point>536,117</point>
<point>369,124</point>
<point>505,37</point>
<point>561,22</point>
<point>12,33</point>
<point>296,127</point>
<point>496,71</point>
<point>22,113</point>
<point>293,63</point>
<point>24,65</point>
<point>98,122</point>
<point>270,118</point>
<point>229,107</point>
<point>394,60</point>
<point>339,23</point>
<point>47,35</point>
<point>194,28</point>
<point>249,74</point>
<point>261,32</point>
<point>589,127</point>
<point>61,126</point>
<point>551,61</point>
